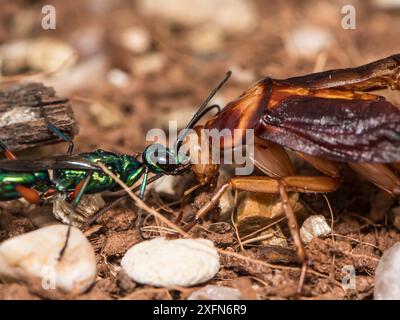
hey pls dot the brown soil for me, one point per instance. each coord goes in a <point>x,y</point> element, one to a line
<point>363,227</point>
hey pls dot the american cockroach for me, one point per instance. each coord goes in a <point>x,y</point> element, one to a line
<point>327,119</point>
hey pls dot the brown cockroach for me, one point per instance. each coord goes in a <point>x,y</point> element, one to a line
<point>327,119</point>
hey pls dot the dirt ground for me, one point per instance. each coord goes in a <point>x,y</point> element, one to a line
<point>135,69</point>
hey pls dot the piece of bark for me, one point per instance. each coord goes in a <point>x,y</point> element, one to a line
<point>25,111</point>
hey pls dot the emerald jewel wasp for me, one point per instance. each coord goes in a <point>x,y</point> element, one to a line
<point>73,176</point>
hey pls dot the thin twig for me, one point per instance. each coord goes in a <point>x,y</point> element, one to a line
<point>259,238</point>
<point>239,256</point>
<point>140,202</point>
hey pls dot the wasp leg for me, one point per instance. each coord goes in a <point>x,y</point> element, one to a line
<point>379,174</point>
<point>384,73</point>
<point>7,152</point>
<point>30,195</point>
<point>75,197</point>
<point>62,136</point>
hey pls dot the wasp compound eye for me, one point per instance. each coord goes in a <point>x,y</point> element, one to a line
<point>160,159</point>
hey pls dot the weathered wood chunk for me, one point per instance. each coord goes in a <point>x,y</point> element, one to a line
<point>25,111</point>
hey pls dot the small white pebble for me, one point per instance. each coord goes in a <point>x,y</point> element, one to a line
<point>387,275</point>
<point>49,54</point>
<point>148,64</point>
<point>212,292</point>
<point>118,78</point>
<point>308,41</point>
<point>136,39</point>
<point>165,263</point>
<point>34,255</point>
<point>314,227</point>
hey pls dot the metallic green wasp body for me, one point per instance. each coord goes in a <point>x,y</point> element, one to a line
<point>64,173</point>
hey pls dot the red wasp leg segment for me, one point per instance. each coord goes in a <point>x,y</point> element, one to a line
<point>30,195</point>
<point>7,152</point>
<point>9,155</point>
<point>80,189</point>
<point>384,73</point>
<point>49,193</point>
<point>76,196</point>
<point>72,195</point>
<point>379,174</point>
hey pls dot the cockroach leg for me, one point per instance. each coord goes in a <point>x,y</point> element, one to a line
<point>295,232</point>
<point>265,184</point>
<point>202,212</point>
<point>183,201</point>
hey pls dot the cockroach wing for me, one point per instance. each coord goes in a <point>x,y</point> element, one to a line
<point>336,129</point>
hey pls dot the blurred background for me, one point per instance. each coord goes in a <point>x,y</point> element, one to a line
<point>129,66</point>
